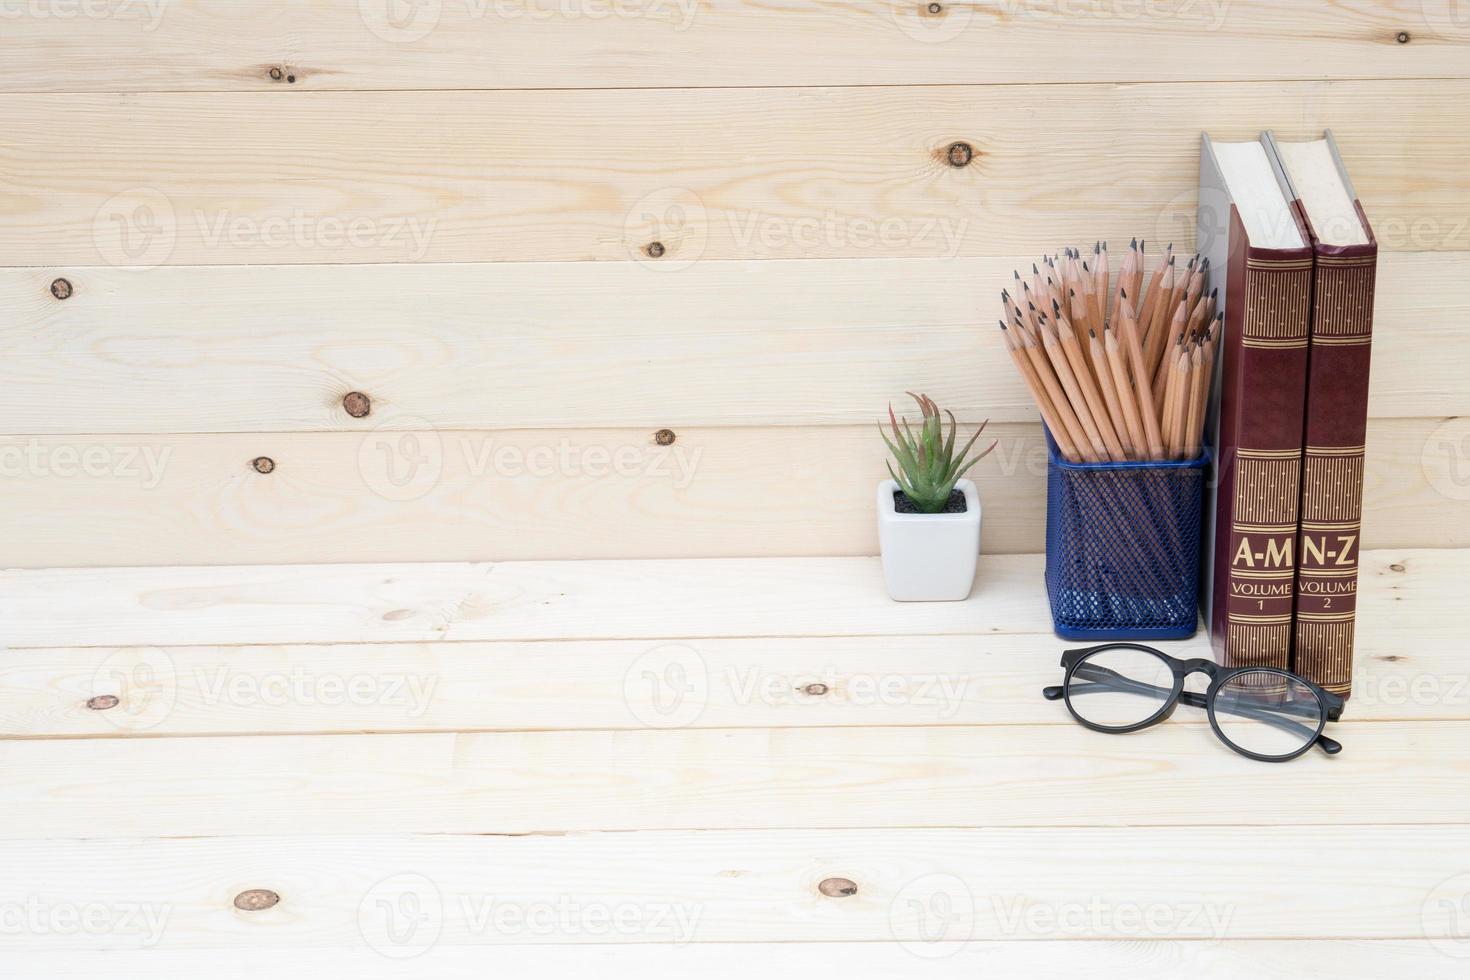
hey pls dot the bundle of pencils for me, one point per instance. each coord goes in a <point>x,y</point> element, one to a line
<point>1120,370</point>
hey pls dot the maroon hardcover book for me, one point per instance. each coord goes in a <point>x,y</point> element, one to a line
<point>1266,295</point>
<point>1336,419</point>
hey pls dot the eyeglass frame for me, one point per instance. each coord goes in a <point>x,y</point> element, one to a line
<point>1332,704</point>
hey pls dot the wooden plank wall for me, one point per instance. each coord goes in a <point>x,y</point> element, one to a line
<point>219,220</point>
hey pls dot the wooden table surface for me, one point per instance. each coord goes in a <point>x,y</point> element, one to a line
<point>711,767</point>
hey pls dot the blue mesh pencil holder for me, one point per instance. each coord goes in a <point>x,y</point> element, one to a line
<point>1122,547</point>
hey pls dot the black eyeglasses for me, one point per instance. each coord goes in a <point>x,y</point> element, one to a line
<point>1261,712</point>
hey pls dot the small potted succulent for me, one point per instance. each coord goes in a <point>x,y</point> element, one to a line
<point>928,517</point>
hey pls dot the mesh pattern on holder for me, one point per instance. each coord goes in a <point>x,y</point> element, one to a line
<point>1122,547</point>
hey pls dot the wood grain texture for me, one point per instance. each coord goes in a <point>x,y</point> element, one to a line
<point>1019,885</point>
<point>1358,959</point>
<point>583,600</point>
<point>554,782</point>
<point>192,45</point>
<point>390,495</point>
<point>271,178</point>
<point>1413,672</point>
<point>550,345</point>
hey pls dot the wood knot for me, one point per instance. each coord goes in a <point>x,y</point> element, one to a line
<point>664,437</point>
<point>935,9</point>
<point>256,900</point>
<point>356,404</point>
<point>837,887</point>
<point>103,702</point>
<point>959,154</point>
<point>1397,567</point>
<point>61,288</point>
<point>1403,37</point>
<point>654,250</point>
<point>263,464</point>
<point>816,690</point>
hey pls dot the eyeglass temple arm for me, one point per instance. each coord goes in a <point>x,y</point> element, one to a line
<point>1104,679</point>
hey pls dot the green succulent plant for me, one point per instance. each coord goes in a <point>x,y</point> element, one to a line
<point>928,466</point>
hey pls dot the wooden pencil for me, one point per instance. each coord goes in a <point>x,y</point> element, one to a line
<point>1109,388</point>
<point>1055,353</point>
<point>1143,393</point>
<point>1128,403</point>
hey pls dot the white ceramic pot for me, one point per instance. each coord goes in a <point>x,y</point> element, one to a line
<point>929,557</point>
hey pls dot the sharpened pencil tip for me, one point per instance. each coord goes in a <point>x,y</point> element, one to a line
<point>1092,333</point>
<point>1035,271</point>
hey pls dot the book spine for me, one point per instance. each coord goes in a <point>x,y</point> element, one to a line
<point>1263,397</point>
<point>1332,479</point>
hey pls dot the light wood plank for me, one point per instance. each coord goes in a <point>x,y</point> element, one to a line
<point>1410,671</point>
<point>603,684</point>
<point>753,173</point>
<point>539,782</point>
<point>1344,959</point>
<point>521,601</point>
<point>675,888</point>
<point>390,495</point>
<point>584,600</point>
<point>193,45</point>
<point>550,345</point>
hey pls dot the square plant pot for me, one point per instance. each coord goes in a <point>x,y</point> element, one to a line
<point>929,557</point>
